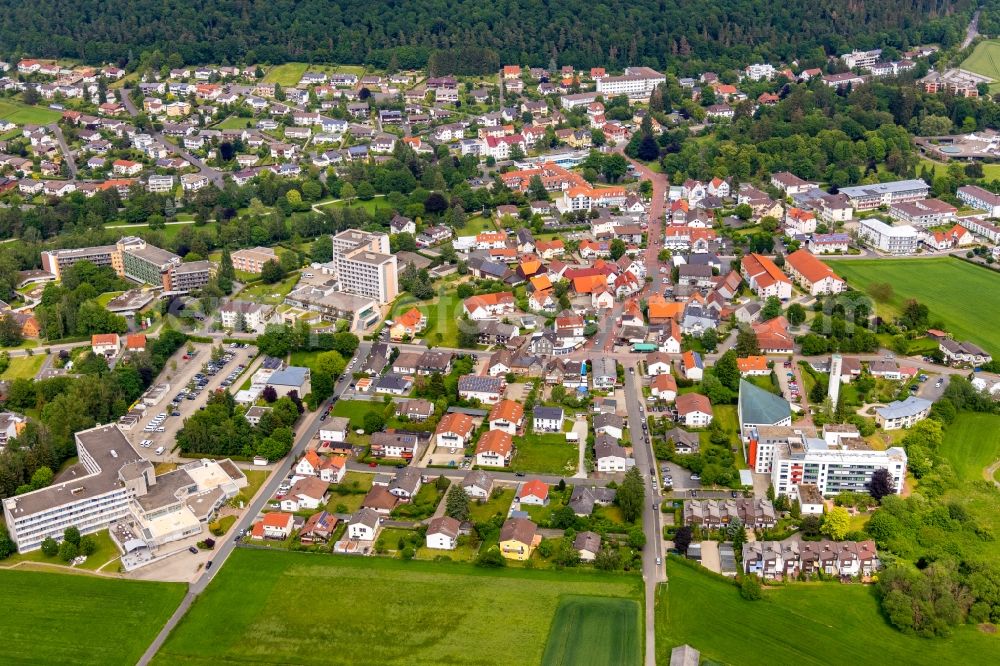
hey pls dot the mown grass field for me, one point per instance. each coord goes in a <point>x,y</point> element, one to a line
<point>594,631</point>
<point>356,410</point>
<point>545,454</point>
<point>376,611</point>
<point>972,443</point>
<point>23,367</point>
<point>288,74</point>
<point>964,297</point>
<point>79,619</point>
<point>985,59</point>
<point>803,623</point>
<point>21,114</point>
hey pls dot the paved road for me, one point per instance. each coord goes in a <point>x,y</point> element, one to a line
<point>67,155</point>
<point>973,30</point>
<point>225,547</point>
<point>652,573</point>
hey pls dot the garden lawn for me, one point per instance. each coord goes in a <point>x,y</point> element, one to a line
<point>965,297</point>
<point>356,410</point>
<point>442,313</point>
<point>803,623</point>
<point>479,513</point>
<point>545,454</point>
<point>20,114</point>
<point>270,293</point>
<point>106,552</point>
<point>80,619</point>
<point>234,122</point>
<point>475,225</point>
<point>23,367</point>
<point>371,205</point>
<point>286,75</point>
<point>594,631</point>
<point>253,611</point>
<point>972,443</point>
<point>349,493</point>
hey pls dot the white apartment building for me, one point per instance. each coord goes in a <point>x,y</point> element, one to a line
<point>902,413</point>
<point>160,184</point>
<point>363,265</point>
<point>637,83</point>
<point>861,59</point>
<point>979,198</point>
<point>900,239</point>
<point>924,213</point>
<point>792,458</point>
<point>113,485</point>
<point>758,71</point>
<point>255,316</point>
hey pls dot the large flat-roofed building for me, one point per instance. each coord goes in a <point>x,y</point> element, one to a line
<point>95,494</point>
<point>869,197</point>
<point>637,83</point>
<point>113,487</point>
<point>363,265</point>
<point>188,275</point>
<point>252,260</point>
<point>794,456</point>
<point>56,261</point>
<point>135,259</point>
<point>900,239</point>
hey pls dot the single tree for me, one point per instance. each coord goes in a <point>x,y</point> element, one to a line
<point>682,539</point>
<point>457,503</point>
<point>881,484</point>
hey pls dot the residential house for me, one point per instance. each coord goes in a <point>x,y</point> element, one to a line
<point>454,431</point>
<point>547,419</point>
<point>506,415</point>
<point>694,410</point>
<point>305,494</point>
<point>812,274</point>
<point>486,390</point>
<point>663,387</point>
<point>494,449</point>
<point>274,525</point>
<point>693,366</point>
<point>363,525</point>
<point>518,539</point>
<point>477,484</point>
<point>442,533</point>
<point>534,492</point>
<point>587,545</point>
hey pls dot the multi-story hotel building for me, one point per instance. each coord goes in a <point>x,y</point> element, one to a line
<point>363,265</point>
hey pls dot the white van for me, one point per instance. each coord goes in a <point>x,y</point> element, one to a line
<point>159,450</point>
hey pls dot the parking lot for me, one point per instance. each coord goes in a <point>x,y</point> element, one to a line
<point>155,434</point>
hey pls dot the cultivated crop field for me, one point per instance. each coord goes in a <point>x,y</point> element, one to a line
<point>964,297</point>
<point>804,623</point>
<point>594,631</point>
<point>57,618</point>
<point>300,608</point>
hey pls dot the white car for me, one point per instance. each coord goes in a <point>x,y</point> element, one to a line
<point>159,451</point>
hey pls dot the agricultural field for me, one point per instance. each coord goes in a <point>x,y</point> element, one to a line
<point>286,75</point>
<point>545,454</point>
<point>23,367</point>
<point>803,623</point>
<point>594,631</point>
<point>964,297</point>
<point>254,605</point>
<point>81,619</point>
<point>22,114</point>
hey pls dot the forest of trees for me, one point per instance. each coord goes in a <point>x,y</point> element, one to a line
<point>477,35</point>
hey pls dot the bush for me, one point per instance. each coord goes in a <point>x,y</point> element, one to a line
<point>750,588</point>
